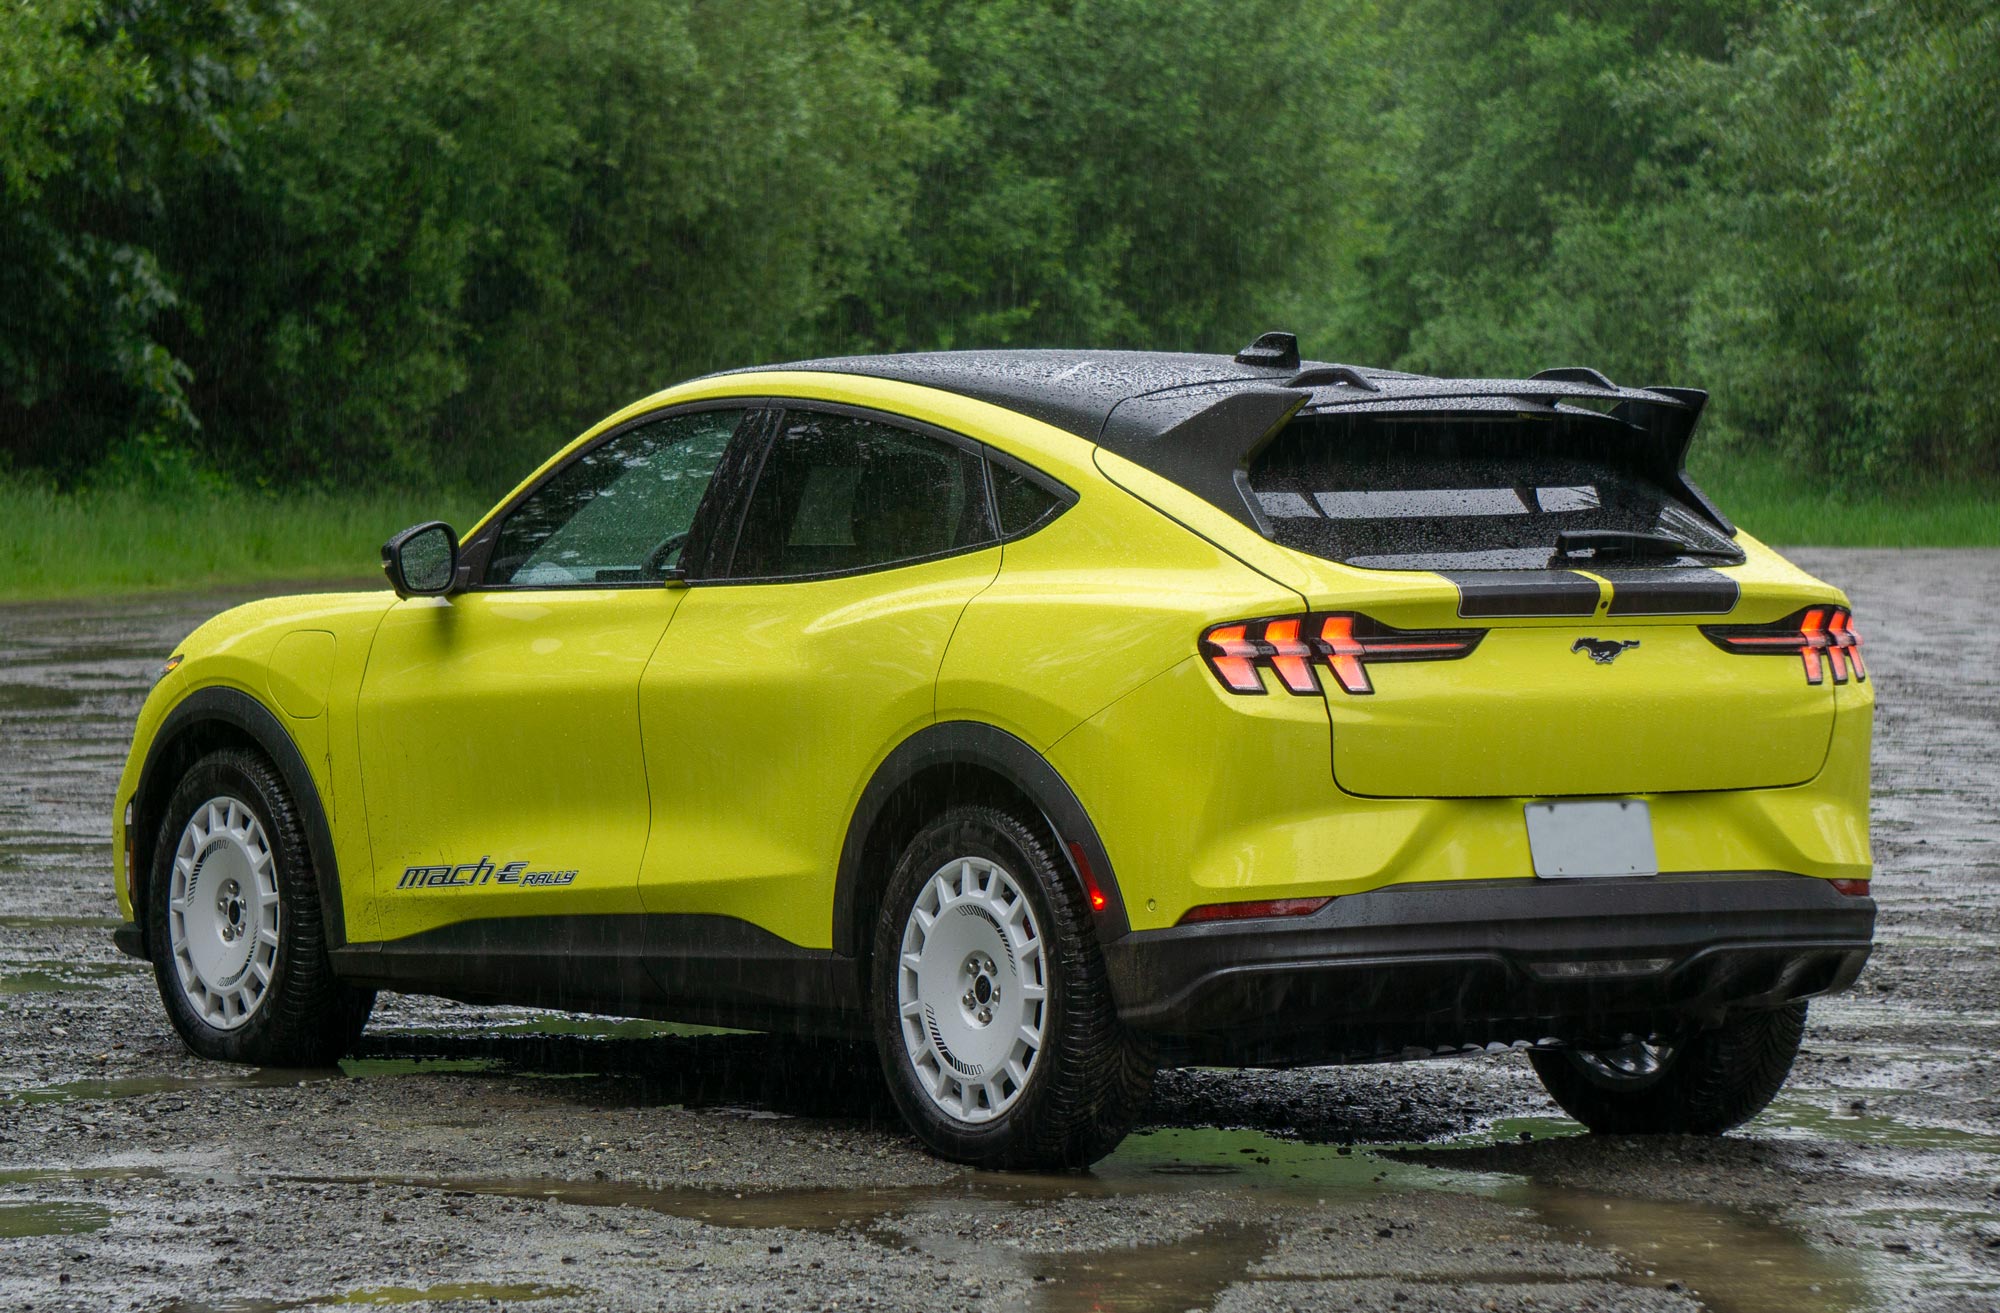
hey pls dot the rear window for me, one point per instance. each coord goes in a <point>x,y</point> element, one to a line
<point>1466,491</point>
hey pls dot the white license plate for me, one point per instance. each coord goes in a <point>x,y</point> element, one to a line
<point>1573,840</point>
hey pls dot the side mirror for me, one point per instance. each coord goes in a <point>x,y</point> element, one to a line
<point>422,561</point>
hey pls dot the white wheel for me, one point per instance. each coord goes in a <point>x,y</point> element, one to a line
<point>972,990</point>
<point>222,912</point>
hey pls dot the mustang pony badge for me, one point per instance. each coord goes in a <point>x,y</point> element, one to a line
<point>1603,650</point>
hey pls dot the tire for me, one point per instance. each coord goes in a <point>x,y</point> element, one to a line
<point>1705,1084</point>
<point>242,966</point>
<point>1011,935</point>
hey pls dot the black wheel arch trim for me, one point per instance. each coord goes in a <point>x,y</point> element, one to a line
<point>978,745</point>
<point>244,713</point>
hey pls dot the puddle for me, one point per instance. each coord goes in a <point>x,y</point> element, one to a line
<point>1796,1118</point>
<point>1186,1275</point>
<point>1731,1261</point>
<point>1735,1262</point>
<point>38,1175</point>
<point>453,1290</point>
<point>385,1295</point>
<point>62,977</point>
<point>251,1078</point>
<point>57,1218</point>
<point>586,1027</point>
<point>37,697</point>
<point>362,1068</point>
<point>129,1087</point>
<point>60,923</point>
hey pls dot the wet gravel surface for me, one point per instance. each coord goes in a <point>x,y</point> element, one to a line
<point>469,1157</point>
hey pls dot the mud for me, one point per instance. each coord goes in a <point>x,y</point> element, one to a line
<point>473,1157</point>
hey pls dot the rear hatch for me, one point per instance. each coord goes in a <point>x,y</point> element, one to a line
<point>1584,570</point>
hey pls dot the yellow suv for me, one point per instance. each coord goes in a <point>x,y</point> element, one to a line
<point>1049,716</point>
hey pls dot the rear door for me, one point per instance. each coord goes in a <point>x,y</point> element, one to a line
<point>807,654</point>
<point>1592,673</point>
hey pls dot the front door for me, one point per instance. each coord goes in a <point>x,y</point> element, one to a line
<point>499,727</point>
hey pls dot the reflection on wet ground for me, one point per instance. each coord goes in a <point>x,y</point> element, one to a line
<point>447,1292</point>
<point>1733,1262</point>
<point>55,1218</point>
<point>42,977</point>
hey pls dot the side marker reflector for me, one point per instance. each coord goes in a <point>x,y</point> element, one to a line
<point>1088,876</point>
<point>1247,911</point>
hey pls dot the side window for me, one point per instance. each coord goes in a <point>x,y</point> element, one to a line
<point>1022,502</point>
<point>839,494</point>
<point>618,513</point>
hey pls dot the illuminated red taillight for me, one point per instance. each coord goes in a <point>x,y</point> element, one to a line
<point>1345,643</point>
<point>1243,911</point>
<point>1822,637</point>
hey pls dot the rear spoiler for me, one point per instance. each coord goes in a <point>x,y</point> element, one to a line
<point>1205,436</point>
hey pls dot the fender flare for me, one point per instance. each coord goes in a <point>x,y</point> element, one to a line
<point>974,743</point>
<point>246,714</point>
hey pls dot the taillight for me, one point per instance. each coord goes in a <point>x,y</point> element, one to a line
<point>1822,637</point>
<point>1343,642</point>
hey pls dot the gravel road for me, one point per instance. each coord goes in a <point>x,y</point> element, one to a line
<point>473,1157</point>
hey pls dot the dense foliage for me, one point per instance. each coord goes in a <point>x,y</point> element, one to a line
<point>294,242</point>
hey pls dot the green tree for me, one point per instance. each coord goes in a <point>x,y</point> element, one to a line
<point>102,107</point>
<point>1128,172</point>
<point>476,226</point>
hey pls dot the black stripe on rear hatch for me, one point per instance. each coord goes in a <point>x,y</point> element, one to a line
<point>1673,591</point>
<point>1523,592</point>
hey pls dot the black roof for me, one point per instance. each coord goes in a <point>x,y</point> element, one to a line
<point>1073,390</point>
<point>1080,390</point>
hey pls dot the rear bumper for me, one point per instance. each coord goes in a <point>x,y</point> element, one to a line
<point>1415,968</point>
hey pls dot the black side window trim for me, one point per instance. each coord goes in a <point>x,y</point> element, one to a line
<point>478,551</point>
<point>783,407</point>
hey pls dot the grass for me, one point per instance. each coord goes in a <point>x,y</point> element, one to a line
<point>67,544</point>
<point>1787,509</point>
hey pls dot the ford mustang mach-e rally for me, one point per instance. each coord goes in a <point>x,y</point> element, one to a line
<point>1046,717</point>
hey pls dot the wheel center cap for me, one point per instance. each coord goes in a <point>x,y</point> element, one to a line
<point>230,907</point>
<point>982,990</point>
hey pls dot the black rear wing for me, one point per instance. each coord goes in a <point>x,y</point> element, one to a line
<point>1205,436</point>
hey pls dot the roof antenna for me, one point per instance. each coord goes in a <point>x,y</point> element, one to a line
<point>1272,351</point>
